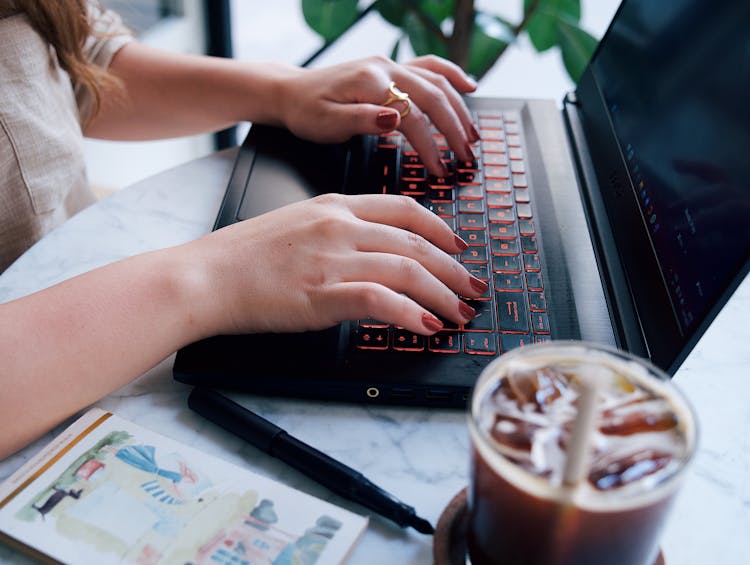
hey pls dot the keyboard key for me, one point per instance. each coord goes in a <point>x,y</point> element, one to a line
<point>513,140</point>
<point>471,222</point>
<point>480,344</point>
<point>522,196</point>
<point>512,314</point>
<point>408,161</point>
<point>450,222</point>
<point>371,338</point>
<point>441,182</point>
<point>517,166</point>
<point>372,323</point>
<point>495,122</point>
<point>493,146</point>
<point>503,231</point>
<point>526,227</point>
<point>469,177</point>
<point>470,192</point>
<point>481,272</point>
<point>444,342</point>
<point>542,339</point>
<point>501,215</point>
<point>531,263</point>
<point>528,244</point>
<point>537,302</point>
<point>540,322</point>
<point>534,281</point>
<point>500,200</point>
<point>441,208</point>
<point>523,210</point>
<point>484,321</point>
<point>404,340</point>
<point>472,165</point>
<point>506,264</point>
<point>495,159</point>
<point>499,185</point>
<point>508,282</point>
<point>515,153</point>
<point>474,254</point>
<point>497,172</point>
<point>414,187</point>
<point>505,247</point>
<point>520,181</point>
<point>473,237</point>
<point>471,206</point>
<point>492,134</point>
<point>441,194</point>
<point>513,341</point>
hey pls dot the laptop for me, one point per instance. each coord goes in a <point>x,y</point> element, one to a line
<point>622,218</point>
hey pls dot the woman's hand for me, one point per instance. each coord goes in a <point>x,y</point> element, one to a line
<point>315,263</point>
<point>334,103</point>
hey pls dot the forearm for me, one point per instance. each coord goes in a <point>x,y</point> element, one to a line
<point>65,347</point>
<point>169,94</point>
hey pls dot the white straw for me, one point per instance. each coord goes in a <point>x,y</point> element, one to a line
<point>579,450</point>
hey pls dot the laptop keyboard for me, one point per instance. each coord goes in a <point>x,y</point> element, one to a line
<point>487,203</point>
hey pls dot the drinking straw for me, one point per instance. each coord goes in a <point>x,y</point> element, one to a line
<point>579,452</point>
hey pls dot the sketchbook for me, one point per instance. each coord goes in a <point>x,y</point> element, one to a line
<point>109,491</point>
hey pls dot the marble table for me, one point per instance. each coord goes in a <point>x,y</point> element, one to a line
<point>419,455</point>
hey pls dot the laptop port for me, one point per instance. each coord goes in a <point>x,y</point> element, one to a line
<point>404,393</point>
<point>438,395</point>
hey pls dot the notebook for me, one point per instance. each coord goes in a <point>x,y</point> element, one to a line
<point>620,218</point>
<point>109,491</point>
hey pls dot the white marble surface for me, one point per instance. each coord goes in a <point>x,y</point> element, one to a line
<point>418,455</point>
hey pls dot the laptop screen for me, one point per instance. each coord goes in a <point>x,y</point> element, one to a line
<point>675,78</point>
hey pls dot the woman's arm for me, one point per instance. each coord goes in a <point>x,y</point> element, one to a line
<point>170,94</point>
<point>305,266</point>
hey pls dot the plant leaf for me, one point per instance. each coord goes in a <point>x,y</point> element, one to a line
<point>393,11</point>
<point>423,40</point>
<point>330,18</point>
<point>577,46</point>
<point>542,25</point>
<point>489,38</point>
<point>438,10</point>
<point>394,51</point>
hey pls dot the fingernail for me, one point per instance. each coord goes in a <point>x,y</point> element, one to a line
<point>386,120</point>
<point>478,285</point>
<point>469,152</point>
<point>431,322</point>
<point>460,243</point>
<point>466,311</point>
<point>474,134</point>
<point>471,82</point>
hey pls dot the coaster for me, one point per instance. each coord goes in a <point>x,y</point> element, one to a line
<point>449,541</point>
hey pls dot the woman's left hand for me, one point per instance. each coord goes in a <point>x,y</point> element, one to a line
<point>334,103</point>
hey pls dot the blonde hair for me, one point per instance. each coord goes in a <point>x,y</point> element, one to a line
<point>65,25</point>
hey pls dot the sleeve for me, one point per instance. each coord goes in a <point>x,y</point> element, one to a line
<point>109,35</point>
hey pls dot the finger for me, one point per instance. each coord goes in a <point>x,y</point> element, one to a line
<point>408,276</point>
<point>379,238</point>
<point>359,300</point>
<point>433,101</point>
<point>455,100</point>
<point>405,213</point>
<point>416,127</point>
<point>457,77</point>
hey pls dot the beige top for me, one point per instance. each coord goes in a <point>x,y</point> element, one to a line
<point>42,171</point>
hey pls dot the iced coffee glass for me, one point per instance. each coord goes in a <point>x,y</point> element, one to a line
<point>524,507</point>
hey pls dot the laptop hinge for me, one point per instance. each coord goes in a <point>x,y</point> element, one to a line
<point>625,321</point>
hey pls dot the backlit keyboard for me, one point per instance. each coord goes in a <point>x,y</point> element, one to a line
<point>487,203</point>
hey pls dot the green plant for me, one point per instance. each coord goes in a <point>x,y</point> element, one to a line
<point>457,30</point>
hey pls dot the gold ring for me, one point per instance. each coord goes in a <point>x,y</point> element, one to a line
<point>395,95</point>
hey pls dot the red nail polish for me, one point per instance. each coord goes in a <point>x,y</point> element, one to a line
<point>386,120</point>
<point>474,134</point>
<point>466,311</point>
<point>478,285</point>
<point>470,152</point>
<point>431,322</point>
<point>460,243</point>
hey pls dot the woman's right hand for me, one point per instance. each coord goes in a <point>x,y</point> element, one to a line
<point>313,264</point>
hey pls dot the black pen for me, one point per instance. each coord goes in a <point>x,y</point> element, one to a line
<point>315,464</point>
